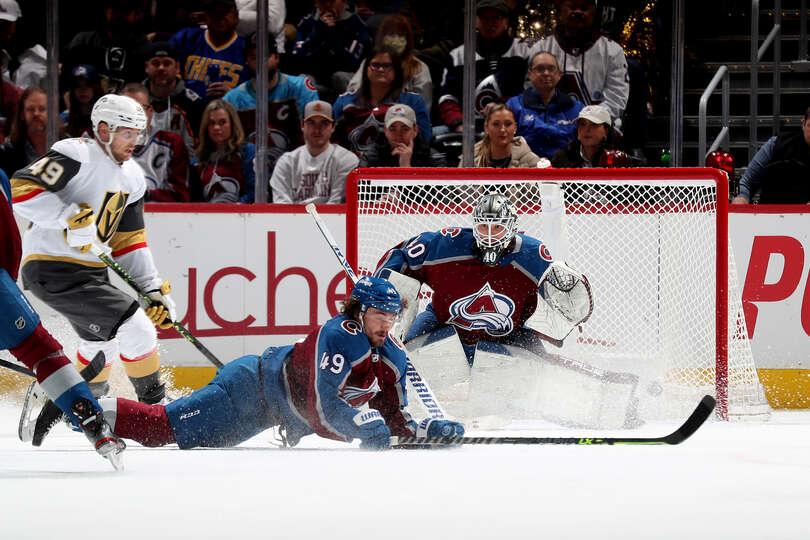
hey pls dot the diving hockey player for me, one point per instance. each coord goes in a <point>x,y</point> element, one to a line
<point>487,282</point>
<point>316,386</point>
<point>86,191</point>
<point>22,333</point>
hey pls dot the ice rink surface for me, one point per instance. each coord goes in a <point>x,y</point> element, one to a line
<point>730,480</point>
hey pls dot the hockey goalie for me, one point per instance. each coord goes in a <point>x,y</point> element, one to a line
<point>498,297</point>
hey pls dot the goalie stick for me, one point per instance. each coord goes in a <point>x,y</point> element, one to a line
<point>695,420</point>
<point>123,274</point>
<point>419,384</point>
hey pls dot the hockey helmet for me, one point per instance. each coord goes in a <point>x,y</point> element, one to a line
<point>377,293</point>
<point>494,225</point>
<point>118,111</point>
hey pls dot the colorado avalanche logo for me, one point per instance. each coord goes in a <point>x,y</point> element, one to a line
<point>485,310</point>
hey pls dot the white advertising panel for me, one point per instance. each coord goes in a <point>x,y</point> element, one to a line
<point>772,252</point>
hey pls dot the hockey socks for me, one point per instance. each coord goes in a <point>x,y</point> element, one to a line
<point>146,424</point>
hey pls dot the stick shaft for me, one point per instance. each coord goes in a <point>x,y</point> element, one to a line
<point>14,367</point>
<point>128,279</point>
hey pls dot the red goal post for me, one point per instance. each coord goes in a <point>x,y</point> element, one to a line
<point>653,243</point>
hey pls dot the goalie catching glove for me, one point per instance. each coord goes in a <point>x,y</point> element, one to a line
<point>161,309</point>
<point>80,226</point>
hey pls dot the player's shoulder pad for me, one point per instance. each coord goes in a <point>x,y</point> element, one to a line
<point>345,335</point>
<point>532,255</point>
<point>450,242</point>
<point>57,166</point>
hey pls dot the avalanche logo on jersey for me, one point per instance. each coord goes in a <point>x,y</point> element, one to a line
<point>356,396</point>
<point>485,310</point>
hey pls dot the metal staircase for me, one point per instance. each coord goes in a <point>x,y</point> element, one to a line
<point>747,91</point>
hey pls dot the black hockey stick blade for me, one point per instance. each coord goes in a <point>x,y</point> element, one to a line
<point>695,420</point>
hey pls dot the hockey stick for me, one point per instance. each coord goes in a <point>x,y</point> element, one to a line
<point>419,384</point>
<point>123,274</point>
<point>695,420</point>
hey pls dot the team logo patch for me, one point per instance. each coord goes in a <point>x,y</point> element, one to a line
<point>19,323</point>
<point>110,213</point>
<point>485,310</point>
<point>452,232</point>
<point>309,84</point>
<point>351,327</point>
<point>545,254</point>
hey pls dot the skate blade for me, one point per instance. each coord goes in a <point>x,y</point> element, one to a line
<point>116,459</point>
<point>35,399</point>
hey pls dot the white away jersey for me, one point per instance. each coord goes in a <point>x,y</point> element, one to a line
<point>78,171</point>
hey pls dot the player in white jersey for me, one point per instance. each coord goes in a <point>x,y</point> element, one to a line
<point>85,191</point>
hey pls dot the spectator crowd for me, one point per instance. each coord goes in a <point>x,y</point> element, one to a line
<point>366,83</point>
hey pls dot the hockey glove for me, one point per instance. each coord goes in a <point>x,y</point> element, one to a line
<point>162,310</point>
<point>81,228</point>
<point>435,428</point>
<point>374,434</point>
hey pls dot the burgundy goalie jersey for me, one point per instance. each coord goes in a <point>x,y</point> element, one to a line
<point>481,302</point>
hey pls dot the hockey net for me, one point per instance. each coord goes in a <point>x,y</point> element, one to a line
<point>652,242</point>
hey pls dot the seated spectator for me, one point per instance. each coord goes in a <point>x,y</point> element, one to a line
<point>85,89</point>
<point>28,138</point>
<point>287,97</point>
<point>176,108</point>
<point>594,67</point>
<point>317,171</point>
<point>212,58</point>
<point>163,156</point>
<point>24,60</point>
<point>361,114</point>
<point>500,66</point>
<point>401,144</point>
<point>546,117</point>
<point>395,31</point>
<point>501,148</point>
<point>298,90</point>
<point>276,14</point>
<point>329,44</point>
<point>780,169</point>
<point>117,51</point>
<point>594,135</point>
<point>226,160</point>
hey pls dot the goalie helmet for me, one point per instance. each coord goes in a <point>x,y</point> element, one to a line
<point>494,226</point>
<point>118,111</point>
<point>377,293</point>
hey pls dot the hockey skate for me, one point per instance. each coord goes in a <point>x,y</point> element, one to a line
<point>99,433</point>
<point>39,414</point>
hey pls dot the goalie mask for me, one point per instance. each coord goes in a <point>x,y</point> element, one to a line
<point>494,226</point>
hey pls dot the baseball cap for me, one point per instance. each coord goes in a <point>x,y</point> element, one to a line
<point>217,5</point>
<point>596,114</point>
<point>250,43</point>
<point>162,49</point>
<point>85,70</point>
<point>497,5</point>
<point>10,10</point>
<point>318,108</point>
<point>400,113</point>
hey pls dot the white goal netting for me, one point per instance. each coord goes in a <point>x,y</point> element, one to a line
<point>648,245</point>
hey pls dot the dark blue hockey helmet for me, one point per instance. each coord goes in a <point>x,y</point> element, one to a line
<point>377,293</point>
